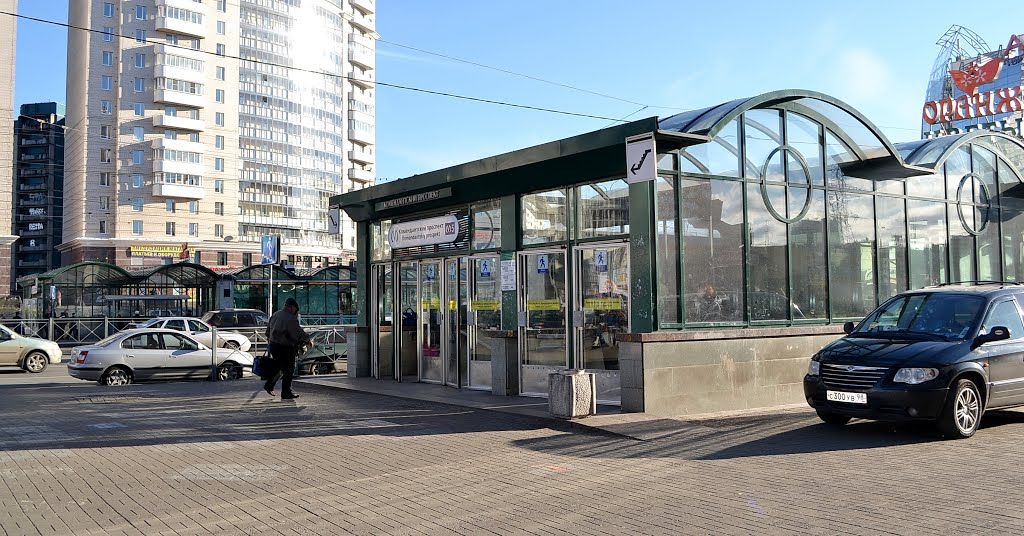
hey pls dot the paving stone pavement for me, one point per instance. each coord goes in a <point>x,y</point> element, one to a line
<point>223,458</point>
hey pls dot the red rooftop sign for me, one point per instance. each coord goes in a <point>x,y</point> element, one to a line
<point>968,78</point>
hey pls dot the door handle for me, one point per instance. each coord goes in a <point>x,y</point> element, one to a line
<point>130,356</point>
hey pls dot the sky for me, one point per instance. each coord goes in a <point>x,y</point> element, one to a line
<point>627,60</point>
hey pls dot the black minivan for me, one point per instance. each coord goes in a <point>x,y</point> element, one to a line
<point>945,354</point>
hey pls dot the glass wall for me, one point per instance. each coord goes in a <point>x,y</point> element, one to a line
<point>800,229</point>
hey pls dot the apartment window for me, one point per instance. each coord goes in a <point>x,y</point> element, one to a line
<point>218,142</point>
<point>105,132</point>
<point>104,179</point>
<point>218,186</point>
<point>222,27</point>
<point>104,203</point>
<point>140,85</point>
<point>222,257</point>
<point>170,135</point>
<point>169,206</point>
<point>138,133</point>
<point>218,230</point>
<point>140,109</point>
<point>108,9</point>
<point>219,95</point>
<point>218,118</point>
<point>140,12</point>
<point>193,229</point>
<point>105,155</point>
<point>222,6</point>
<point>221,72</point>
<point>171,39</point>
<point>137,180</point>
<point>221,49</point>
<point>247,259</point>
<point>169,228</point>
<point>136,227</point>
<point>138,157</point>
<point>140,61</point>
<point>193,207</point>
<point>106,107</point>
<point>108,34</point>
<point>103,227</point>
<point>107,83</point>
<point>218,164</point>
<point>171,111</point>
<point>136,204</point>
<point>196,44</point>
<point>108,58</point>
<point>218,209</point>
<point>140,36</point>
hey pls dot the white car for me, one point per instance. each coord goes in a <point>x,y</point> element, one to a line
<point>153,354</point>
<point>28,353</point>
<point>201,331</point>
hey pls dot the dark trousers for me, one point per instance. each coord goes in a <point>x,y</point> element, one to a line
<point>284,362</point>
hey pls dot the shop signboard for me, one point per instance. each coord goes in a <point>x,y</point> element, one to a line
<point>985,86</point>
<point>160,251</point>
<point>270,249</point>
<point>425,232</point>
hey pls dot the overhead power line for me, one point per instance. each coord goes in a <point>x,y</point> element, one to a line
<point>322,73</point>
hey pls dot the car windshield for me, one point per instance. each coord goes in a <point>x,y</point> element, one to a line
<point>108,340</point>
<point>949,316</point>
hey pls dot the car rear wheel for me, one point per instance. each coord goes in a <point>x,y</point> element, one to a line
<point>229,370</point>
<point>318,368</point>
<point>231,345</point>
<point>962,414</point>
<point>832,418</point>
<point>116,376</point>
<point>36,362</point>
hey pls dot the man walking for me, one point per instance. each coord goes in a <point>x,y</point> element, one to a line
<point>284,336</point>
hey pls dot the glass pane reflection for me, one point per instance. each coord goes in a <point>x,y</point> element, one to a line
<point>712,228</point>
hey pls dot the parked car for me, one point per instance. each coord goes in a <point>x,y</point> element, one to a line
<point>153,354</point>
<point>945,354</point>
<point>236,318</point>
<point>28,353</point>
<point>201,331</point>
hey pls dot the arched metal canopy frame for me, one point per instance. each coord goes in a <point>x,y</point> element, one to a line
<point>709,122</point>
<point>953,143</point>
<point>184,274</point>
<point>108,273</point>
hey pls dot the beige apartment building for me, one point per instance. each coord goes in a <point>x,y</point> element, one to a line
<point>8,27</point>
<point>194,127</point>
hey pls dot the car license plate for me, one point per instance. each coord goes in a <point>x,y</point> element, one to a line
<point>849,398</point>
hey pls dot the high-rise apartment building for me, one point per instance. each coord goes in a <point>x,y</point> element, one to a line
<point>8,25</point>
<point>38,187</point>
<point>198,126</point>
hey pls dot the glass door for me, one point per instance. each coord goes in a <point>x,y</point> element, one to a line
<point>382,356</point>
<point>406,327</point>
<point>601,315</point>
<point>455,347</point>
<point>542,318</point>
<point>484,316</point>
<point>430,322</point>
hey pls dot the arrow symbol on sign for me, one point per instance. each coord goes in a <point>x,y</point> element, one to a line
<point>636,167</point>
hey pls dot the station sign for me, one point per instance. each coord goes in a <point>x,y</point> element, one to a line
<point>413,199</point>
<point>425,232</point>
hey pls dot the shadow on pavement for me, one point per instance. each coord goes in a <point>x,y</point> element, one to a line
<point>92,416</point>
<point>763,435</point>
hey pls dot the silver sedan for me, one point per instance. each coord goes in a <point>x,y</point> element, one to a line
<point>200,331</point>
<point>153,354</point>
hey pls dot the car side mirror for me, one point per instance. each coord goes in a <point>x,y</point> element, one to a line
<point>848,327</point>
<point>997,333</point>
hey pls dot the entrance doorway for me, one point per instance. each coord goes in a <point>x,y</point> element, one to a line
<point>601,313</point>
<point>543,343</point>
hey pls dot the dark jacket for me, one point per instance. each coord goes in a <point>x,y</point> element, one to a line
<point>284,329</point>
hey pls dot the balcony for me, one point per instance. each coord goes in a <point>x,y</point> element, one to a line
<point>362,175</point>
<point>181,191</point>
<point>31,172</point>
<point>362,156</point>
<point>178,145</point>
<point>31,187</point>
<point>166,96</point>
<point>365,22</point>
<point>362,80</point>
<point>36,263</point>
<point>361,136</point>
<point>33,157</point>
<point>178,26</point>
<point>178,123</point>
<point>367,6</point>
<point>28,142</point>
<point>179,73</point>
